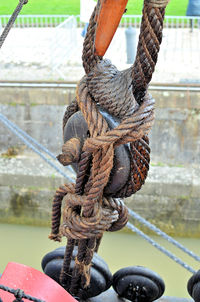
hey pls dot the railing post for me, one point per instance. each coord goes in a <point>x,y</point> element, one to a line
<point>131,44</point>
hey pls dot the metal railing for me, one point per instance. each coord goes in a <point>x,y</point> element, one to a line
<point>63,43</point>
<point>127,20</point>
<point>38,43</point>
<point>35,20</point>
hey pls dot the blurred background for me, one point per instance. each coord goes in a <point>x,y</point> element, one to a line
<point>47,39</point>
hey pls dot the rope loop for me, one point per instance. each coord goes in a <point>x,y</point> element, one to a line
<point>19,294</point>
<point>109,215</point>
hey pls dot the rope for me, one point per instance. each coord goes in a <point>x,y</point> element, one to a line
<point>11,21</point>
<point>163,234</point>
<point>160,248</point>
<point>19,294</point>
<point>89,58</point>
<point>31,146</point>
<point>148,48</point>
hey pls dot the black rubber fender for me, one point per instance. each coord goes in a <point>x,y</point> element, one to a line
<point>137,283</point>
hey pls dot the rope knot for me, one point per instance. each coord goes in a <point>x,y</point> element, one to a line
<point>19,294</point>
<point>108,215</point>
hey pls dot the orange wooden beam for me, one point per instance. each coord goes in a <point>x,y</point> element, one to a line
<point>108,18</point>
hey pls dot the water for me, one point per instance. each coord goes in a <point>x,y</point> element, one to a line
<point>27,245</point>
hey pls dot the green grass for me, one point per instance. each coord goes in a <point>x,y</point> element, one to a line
<point>173,9</point>
<point>72,7</point>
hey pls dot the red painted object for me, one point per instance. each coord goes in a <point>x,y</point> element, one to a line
<point>108,19</point>
<point>33,283</point>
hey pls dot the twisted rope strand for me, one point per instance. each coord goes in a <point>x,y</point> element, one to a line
<point>88,57</point>
<point>148,48</point>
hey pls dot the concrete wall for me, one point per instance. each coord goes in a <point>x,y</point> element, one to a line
<point>175,137</point>
<point>170,197</point>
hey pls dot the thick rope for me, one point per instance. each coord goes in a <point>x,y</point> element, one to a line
<point>89,58</point>
<point>148,47</point>
<point>11,21</point>
<point>71,109</point>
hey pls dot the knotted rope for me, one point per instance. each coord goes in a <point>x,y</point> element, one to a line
<point>19,294</point>
<point>88,210</point>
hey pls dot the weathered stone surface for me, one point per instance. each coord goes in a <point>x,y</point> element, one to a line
<point>27,187</point>
<point>169,199</point>
<point>174,139</point>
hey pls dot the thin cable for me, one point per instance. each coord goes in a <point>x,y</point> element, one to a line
<point>19,294</point>
<point>163,234</point>
<point>35,150</point>
<point>26,135</point>
<point>11,21</point>
<point>160,248</point>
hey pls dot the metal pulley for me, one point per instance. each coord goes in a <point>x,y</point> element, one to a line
<point>76,127</point>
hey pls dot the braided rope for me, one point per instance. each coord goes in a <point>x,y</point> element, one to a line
<point>71,109</point>
<point>148,48</point>
<point>130,129</point>
<point>87,248</point>
<point>112,89</point>
<point>88,56</point>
